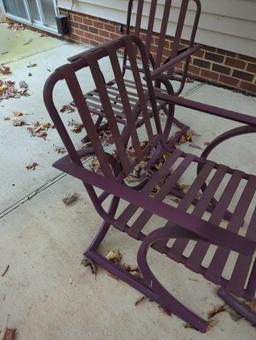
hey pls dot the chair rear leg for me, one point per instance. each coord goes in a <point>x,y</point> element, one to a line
<point>238,306</point>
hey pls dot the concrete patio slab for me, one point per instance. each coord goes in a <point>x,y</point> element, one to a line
<point>49,295</point>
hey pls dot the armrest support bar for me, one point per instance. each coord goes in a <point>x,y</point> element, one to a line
<point>213,110</point>
<point>208,231</point>
<point>158,71</point>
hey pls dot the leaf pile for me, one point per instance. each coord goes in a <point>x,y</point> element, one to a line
<point>40,129</point>
<point>16,26</point>
<point>114,256</point>
<point>8,90</point>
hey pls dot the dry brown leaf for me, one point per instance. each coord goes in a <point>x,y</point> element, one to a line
<point>70,198</point>
<point>40,129</point>
<point>60,150</point>
<point>212,324</point>
<point>19,122</point>
<point>140,301</point>
<point>67,108</point>
<point>30,65</point>
<point>17,114</point>
<point>182,187</point>
<point>114,256</point>
<point>135,271</point>
<point>9,334</point>
<point>216,310</point>
<point>252,305</point>
<point>187,137</point>
<point>5,70</point>
<point>32,166</point>
<point>6,270</point>
<point>89,263</point>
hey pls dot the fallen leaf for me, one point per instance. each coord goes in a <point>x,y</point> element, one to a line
<point>70,198</point>
<point>16,26</point>
<point>89,263</point>
<point>216,310</point>
<point>68,109</point>
<point>134,271</point>
<point>9,334</point>
<point>60,150</point>
<point>6,270</point>
<point>212,324</point>
<point>19,122</point>
<point>7,118</point>
<point>5,70</point>
<point>114,256</point>
<point>17,114</point>
<point>32,166</point>
<point>40,129</point>
<point>252,305</point>
<point>30,65</point>
<point>140,301</point>
<point>182,187</point>
<point>28,42</point>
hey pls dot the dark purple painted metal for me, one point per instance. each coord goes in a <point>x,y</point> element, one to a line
<point>155,57</point>
<point>180,225</point>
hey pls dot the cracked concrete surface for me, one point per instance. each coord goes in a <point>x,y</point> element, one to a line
<point>46,292</point>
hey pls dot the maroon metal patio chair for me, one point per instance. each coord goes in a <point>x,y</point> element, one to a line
<point>181,224</point>
<point>148,16</point>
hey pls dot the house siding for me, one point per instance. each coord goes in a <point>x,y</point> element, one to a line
<point>96,21</point>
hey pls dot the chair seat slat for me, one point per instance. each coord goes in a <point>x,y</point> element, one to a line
<point>196,257</point>
<point>163,171</point>
<point>164,190</point>
<point>221,255</point>
<point>180,244</point>
<point>240,273</point>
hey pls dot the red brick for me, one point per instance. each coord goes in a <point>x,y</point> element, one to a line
<point>240,64</point>
<point>194,70</point>
<point>251,68</point>
<point>110,27</point>
<point>229,81</point>
<point>248,87</point>
<point>209,75</point>
<point>98,24</point>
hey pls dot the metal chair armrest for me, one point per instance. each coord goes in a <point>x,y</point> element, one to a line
<point>169,64</point>
<point>205,108</point>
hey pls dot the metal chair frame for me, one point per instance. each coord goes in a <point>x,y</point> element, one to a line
<point>181,225</point>
<point>156,59</point>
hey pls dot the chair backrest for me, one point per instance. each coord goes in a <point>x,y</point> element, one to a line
<point>91,61</point>
<point>164,17</point>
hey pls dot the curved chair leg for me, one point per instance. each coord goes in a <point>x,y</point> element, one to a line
<point>166,300</point>
<point>238,306</point>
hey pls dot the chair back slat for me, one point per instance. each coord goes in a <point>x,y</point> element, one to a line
<point>151,22</point>
<point>86,118</point>
<point>139,17</point>
<point>125,101</point>
<point>141,94</point>
<point>162,37</point>
<point>107,108</point>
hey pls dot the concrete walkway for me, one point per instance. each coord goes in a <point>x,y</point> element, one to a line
<point>46,294</point>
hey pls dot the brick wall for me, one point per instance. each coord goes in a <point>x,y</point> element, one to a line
<point>210,64</point>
